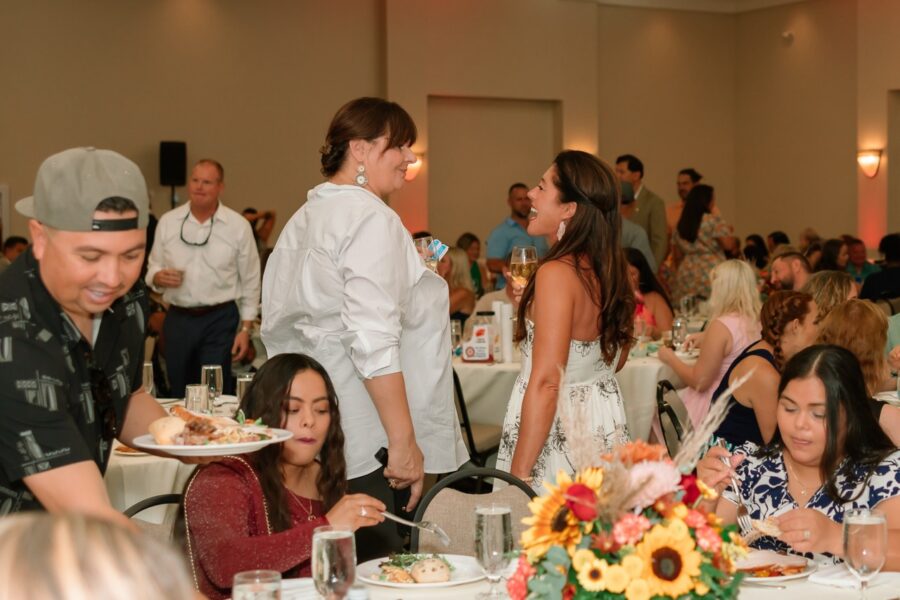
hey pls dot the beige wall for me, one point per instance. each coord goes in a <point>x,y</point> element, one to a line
<point>253,84</point>
<point>667,95</point>
<point>796,119</point>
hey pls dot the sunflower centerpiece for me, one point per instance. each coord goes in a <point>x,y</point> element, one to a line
<point>628,529</point>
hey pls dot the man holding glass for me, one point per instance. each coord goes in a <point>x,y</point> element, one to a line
<point>512,232</point>
<point>72,320</point>
<point>206,265</point>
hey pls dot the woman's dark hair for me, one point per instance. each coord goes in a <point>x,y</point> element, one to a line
<point>466,240</point>
<point>647,281</point>
<point>755,250</point>
<point>830,252</point>
<point>697,204</point>
<point>267,399</point>
<point>365,119</point>
<point>781,308</point>
<point>593,234</point>
<point>864,442</point>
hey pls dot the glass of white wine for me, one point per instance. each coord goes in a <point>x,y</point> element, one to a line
<point>423,247</point>
<point>522,264</point>
<point>147,378</point>
<point>493,544</point>
<point>865,544</point>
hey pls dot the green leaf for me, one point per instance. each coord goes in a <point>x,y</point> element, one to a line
<point>558,557</point>
<point>239,416</point>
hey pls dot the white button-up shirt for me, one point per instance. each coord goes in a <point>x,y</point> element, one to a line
<point>346,286</point>
<point>225,268</point>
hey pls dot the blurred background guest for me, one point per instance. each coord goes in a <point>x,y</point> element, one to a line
<point>807,237</point>
<point>755,252</point>
<point>684,182</point>
<point>481,278</point>
<point>454,268</point>
<point>829,289</point>
<point>789,271</point>
<point>262,224</point>
<point>653,306</point>
<point>788,322</point>
<point>633,235</point>
<point>649,209</point>
<point>858,264</point>
<point>71,556</point>
<point>13,246</point>
<point>733,325</point>
<point>699,243</point>
<point>834,256</point>
<point>513,231</point>
<point>886,283</point>
<point>813,253</point>
<point>775,239</point>
<point>346,284</point>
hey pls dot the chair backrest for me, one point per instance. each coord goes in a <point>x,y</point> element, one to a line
<point>159,531</point>
<point>673,415</point>
<point>454,511</point>
<point>151,502</point>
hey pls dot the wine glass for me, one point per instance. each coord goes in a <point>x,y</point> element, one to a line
<point>243,382</point>
<point>679,333</point>
<point>522,264</point>
<point>211,377</point>
<point>493,544</point>
<point>147,377</point>
<point>865,544</point>
<point>456,336</point>
<point>425,250</point>
<point>333,561</point>
<point>256,585</point>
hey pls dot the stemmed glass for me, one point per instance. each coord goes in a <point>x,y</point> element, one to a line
<point>333,561</point>
<point>423,246</point>
<point>211,377</point>
<point>456,336</point>
<point>865,544</point>
<point>493,544</point>
<point>147,378</point>
<point>522,264</point>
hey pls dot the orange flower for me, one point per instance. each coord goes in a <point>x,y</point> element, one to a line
<point>635,452</point>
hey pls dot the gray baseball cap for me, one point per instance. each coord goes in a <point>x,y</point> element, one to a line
<point>71,184</point>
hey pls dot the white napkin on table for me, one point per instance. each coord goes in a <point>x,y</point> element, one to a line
<point>840,576</point>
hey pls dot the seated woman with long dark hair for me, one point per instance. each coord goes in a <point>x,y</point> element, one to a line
<point>653,304</point>
<point>258,511</point>
<point>828,456</point>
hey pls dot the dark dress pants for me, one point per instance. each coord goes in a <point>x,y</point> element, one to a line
<point>196,340</point>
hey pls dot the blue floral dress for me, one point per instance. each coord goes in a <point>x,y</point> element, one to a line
<point>764,490</point>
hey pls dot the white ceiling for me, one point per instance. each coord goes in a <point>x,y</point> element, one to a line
<point>716,6</point>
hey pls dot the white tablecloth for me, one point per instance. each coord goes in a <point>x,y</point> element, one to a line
<point>130,479</point>
<point>486,389</point>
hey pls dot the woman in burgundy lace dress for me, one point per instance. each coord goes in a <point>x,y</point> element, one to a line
<point>258,511</point>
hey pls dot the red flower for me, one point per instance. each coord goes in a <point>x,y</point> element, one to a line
<point>691,491</point>
<point>517,584</point>
<point>604,542</point>
<point>582,501</point>
<point>568,592</point>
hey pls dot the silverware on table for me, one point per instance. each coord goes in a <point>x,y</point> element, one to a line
<point>428,526</point>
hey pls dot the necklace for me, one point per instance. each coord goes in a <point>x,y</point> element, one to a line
<point>803,486</point>
<point>309,514</point>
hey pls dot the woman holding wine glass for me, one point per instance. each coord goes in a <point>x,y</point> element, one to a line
<point>576,310</point>
<point>260,511</point>
<point>828,456</point>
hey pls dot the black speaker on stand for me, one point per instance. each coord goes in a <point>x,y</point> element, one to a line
<point>172,165</point>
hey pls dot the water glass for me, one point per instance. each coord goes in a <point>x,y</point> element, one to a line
<point>243,382</point>
<point>423,247</point>
<point>147,378</point>
<point>256,585</point>
<point>493,544</point>
<point>679,332</point>
<point>688,304</point>
<point>211,377</point>
<point>456,336</point>
<point>865,544</point>
<point>333,561</point>
<point>522,264</point>
<point>196,398</point>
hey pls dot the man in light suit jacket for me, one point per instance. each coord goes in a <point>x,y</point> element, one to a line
<point>649,209</point>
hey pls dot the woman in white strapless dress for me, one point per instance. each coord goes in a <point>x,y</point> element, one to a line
<point>575,311</point>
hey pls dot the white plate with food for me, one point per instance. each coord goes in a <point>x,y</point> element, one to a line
<point>770,566</point>
<point>123,450</point>
<point>185,433</point>
<point>420,571</point>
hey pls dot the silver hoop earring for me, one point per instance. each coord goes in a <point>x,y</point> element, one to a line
<point>361,179</point>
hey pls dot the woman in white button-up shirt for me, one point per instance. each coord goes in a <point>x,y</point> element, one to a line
<point>345,285</point>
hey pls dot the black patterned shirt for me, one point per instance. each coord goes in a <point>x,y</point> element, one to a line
<point>59,397</point>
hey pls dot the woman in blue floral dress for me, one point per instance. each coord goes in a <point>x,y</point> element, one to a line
<point>829,455</point>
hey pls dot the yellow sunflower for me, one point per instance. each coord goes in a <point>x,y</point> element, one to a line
<point>633,565</point>
<point>591,477</point>
<point>581,558</point>
<point>616,579</point>
<point>592,575</point>
<point>670,559</point>
<point>551,523</point>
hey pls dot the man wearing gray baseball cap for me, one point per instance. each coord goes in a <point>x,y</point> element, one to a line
<point>72,319</point>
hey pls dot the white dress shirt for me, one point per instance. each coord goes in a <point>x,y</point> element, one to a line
<point>346,286</point>
<point>225,268</point>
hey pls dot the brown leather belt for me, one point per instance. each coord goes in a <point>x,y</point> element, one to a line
<point>199,311</point>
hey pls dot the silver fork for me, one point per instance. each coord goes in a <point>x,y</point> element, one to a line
<point>743,515</point>
<point>428,526</point>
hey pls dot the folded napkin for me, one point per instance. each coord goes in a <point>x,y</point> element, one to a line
<point>299,589</point>
<point>840,576</point>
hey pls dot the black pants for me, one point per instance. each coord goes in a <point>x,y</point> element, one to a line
<point>382,539</point>
<point>193,341</point>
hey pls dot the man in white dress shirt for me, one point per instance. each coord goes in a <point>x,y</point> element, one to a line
<point>205,263</point>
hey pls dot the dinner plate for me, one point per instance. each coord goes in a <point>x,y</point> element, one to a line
<point>465,570</point>
<point>769,556</point>
<point>119,452</point>
<point>148,443</point>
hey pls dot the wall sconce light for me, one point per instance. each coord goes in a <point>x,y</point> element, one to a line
<point>413,169</point>
<point>869,161</point>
